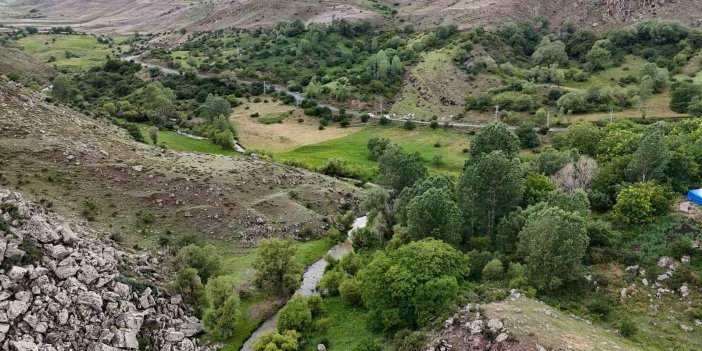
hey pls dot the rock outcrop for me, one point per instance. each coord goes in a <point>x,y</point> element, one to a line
<point>64,288</point>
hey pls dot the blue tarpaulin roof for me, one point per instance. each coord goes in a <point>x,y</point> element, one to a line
<point>695,196</point>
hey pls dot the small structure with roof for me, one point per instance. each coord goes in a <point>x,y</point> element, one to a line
<point>695,196</point>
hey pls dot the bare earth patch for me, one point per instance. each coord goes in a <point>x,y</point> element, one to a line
<point>280,137</point>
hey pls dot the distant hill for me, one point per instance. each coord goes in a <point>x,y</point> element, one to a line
<point>126,16</point>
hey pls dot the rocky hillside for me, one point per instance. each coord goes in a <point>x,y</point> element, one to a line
<point>90,167</point>
<point>522,324</point>
<point>127,16</point>
<point>20,64</point>
<point>62,287</point>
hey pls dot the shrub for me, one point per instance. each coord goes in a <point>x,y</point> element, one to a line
<point>494,270</point>
<point>329,284</point>
<point>350,291</point>
<point>296,315</point>
<point>628,329</point>
<point>335,167</point>
<point>640,203</point>
<point>316,305</point>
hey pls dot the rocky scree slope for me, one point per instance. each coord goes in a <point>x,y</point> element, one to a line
<point>61,289</point>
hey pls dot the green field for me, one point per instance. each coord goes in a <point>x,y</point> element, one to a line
<point>346,327</point>
<point>85,50</point>
<point>353,148</point>
<point>630,66</point>
<point>177,142</point>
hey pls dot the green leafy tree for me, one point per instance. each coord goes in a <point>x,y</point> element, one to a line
<point>553,244</point>
<point>494,136</point>
<point>598,58</point>
<point>645,93</point>
<point>62,88</point>
<point>651,159</point>
<point>205,259</point>
<point>434,214</point>
<point>214,107</point>
<point>296,315</point>
<point>584,137</point>
<point>487,190</point>
<point>536,188</point>
<point>549,52</point>
<point>276,341</point>
<point>659,76</point>
<point>552,160</point>
<point>398,170</point>
<point>576,201</point>
<point>640,203</point>
<point>276,266</point>
<point>377,145</point>
<point>493,270</point>
<point>683,94</point>
<point>527,136</point>
<point>220,319</point>
<point>188,284</point>
<point>408,286</point>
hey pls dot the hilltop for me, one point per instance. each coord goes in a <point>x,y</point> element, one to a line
<point>127,16</point>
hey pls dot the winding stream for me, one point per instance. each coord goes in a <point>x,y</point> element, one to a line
<point>310,279</point>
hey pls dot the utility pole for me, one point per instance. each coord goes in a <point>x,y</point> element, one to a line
<point>381,108</point>
<point>264,87</point>
<point>497,111</point>
<point>611,111</point>
<point>548,120</point>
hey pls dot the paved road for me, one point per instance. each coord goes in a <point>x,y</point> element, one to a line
<point>299,97</point>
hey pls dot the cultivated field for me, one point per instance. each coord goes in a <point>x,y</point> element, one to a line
<point>264,132</point>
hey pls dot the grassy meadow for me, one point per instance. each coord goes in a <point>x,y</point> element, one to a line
<point>353,148</point>
<point>73,52</point>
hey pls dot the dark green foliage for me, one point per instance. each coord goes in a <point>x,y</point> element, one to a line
<point>434,214</point>
<point>527,136</point>
<point>205,259</point>
<point>296,315</point>
<point>494,137</point>
<point>682,94</point>
<point>406,287</point>
<point>398,170</point>
<point>276,267</point>
<point>553,243</point>
<point>488,189</point>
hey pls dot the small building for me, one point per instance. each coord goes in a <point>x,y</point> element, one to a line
<point>695,196</point>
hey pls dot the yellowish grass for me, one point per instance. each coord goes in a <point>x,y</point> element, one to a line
<point>285,136</point>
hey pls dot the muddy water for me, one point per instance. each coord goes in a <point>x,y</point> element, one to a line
<point>310,279</point>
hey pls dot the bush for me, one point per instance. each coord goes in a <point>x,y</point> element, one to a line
<point>316,305</point>
<point>494,270</point>
<point>329,284</point>
<point>335,167</point>
<point>296,315</point>
<point>628,329</point>
<point>640,203</point>
<point>350,291</point>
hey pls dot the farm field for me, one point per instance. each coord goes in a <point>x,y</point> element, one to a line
<point>265,133</point>
<point>449,144</point>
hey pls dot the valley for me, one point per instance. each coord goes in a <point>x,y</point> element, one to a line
<point>350,175</point>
